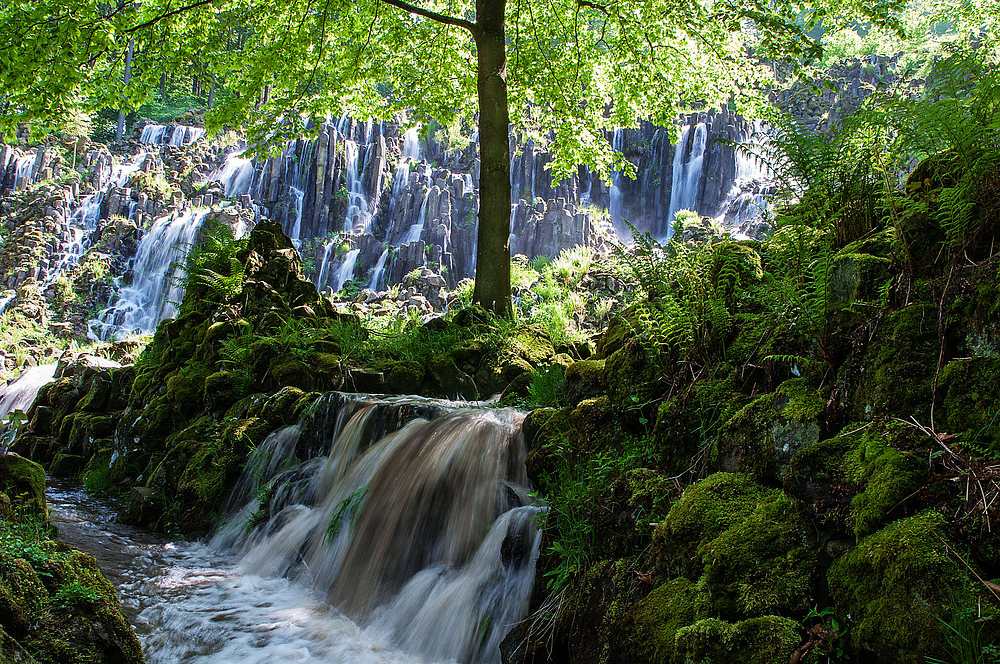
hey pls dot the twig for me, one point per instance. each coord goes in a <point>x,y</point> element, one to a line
<point>967,565</point>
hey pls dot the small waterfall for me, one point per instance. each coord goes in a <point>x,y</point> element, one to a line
<point>417,229</point>
<point>296,233</point>
<point>346,271</point>
<point>413,518</point>
<point>615,192</point>
<point>156,134</point>
<point>686,171</point>
<point>156,289</point>
<point>23,168</point>
<point>359,217</point>
<point>21,392</point>
<point>153,134</point>
<point>236,175</point>
<point>376,271</point>
<point>184,135</point>
<point>84,220</point>
<point>323,274</point>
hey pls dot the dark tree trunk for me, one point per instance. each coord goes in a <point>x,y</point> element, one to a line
<point>493,246</point>
<point>211,92</point>
<point>120,130</point>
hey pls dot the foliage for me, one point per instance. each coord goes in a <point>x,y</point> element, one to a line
<point>212,264</point>
<point>955,125</point>
<point>970,636</point>
<point>573,494</point>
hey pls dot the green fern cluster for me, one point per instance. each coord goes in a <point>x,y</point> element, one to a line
<point>212,268</point>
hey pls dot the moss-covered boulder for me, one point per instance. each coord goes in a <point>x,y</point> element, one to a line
<point>864,477</point>
<point>892,589</point>
<point>23,482</point>
<point>763,436</point>
<point>764,640</point>
<point>745,544</point>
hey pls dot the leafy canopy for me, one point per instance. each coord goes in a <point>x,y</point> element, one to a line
<point>575,67</point>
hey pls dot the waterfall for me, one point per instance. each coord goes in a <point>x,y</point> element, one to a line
<point>346,271</point>
<point>22,169</point>
<point>417,229</point>
<point>686,172</point>
<point>411,144</point>
<point>376,271</point>
<point>156,134</point>
<point>152,134</point>
<point>84,220</point>
<point>21,392</point>
<point>236,175</point>
<point>323,274</point>
<point>358,217</point>
<point>296,233</point>
<point>411,517</point>
<point>615,192</point>
<point>156,289</point>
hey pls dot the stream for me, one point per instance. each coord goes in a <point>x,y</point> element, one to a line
<point>191,603</point>
<point>395,530</point>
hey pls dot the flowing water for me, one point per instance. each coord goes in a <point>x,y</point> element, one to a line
<point>391,531</point>
<point>157,287</point>
<point>21,391</point>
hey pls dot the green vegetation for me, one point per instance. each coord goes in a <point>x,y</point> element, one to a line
<point>51,596</point>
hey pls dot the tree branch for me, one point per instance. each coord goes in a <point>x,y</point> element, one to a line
<point>434,16</point>
<point>179,10</point>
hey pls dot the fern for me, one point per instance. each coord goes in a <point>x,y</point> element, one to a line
<point>212,267</point>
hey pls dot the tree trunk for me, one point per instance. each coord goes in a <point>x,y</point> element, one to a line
<point>211,92</point>
<point>120,130</point>
<point>492,289</point>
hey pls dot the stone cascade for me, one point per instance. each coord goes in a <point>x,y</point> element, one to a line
<point>176,135</point>
<point>367,203</point>
<point>20,168</point>
<point>73,214</point>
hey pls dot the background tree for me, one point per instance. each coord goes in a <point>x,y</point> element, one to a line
<point>565,71</point>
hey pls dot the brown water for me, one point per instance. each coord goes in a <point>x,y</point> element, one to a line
<point>416,545</point>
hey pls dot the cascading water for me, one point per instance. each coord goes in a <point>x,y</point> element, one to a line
<point>156,134</point>
<point>84,220</point>
<point>23,169</point>
<point>686,172</point>
<point>615,192</point>
<point>424,534</point>
<point>21,392</point>
<point>156,290</point>
<point>236,175</point>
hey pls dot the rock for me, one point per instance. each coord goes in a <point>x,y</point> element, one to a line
<point>23,481</point>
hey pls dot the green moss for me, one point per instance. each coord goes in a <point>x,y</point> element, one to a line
<point>969,391</point>
<point>584,379</point>
<point>222,390</point>
<point>280,408</point>
<point>900,364</point>
<point>744,543</point>
<point>764,640</point>
<point>893,586</point>
<point>654,621</point>
<point>889,476</point>
<point>23,481</point>
<point>861,479</point>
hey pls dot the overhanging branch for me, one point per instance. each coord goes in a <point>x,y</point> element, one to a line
<point>432,15</point>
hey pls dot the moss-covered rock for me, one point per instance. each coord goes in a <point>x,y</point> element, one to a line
<point>763,436</point>
<point>744,543</point>
<point>584,380</point>
<point>894,586</point>
<point>23,481</point>
<point>653,622</point>
<point>859,480</point>
<point>764,640</point>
